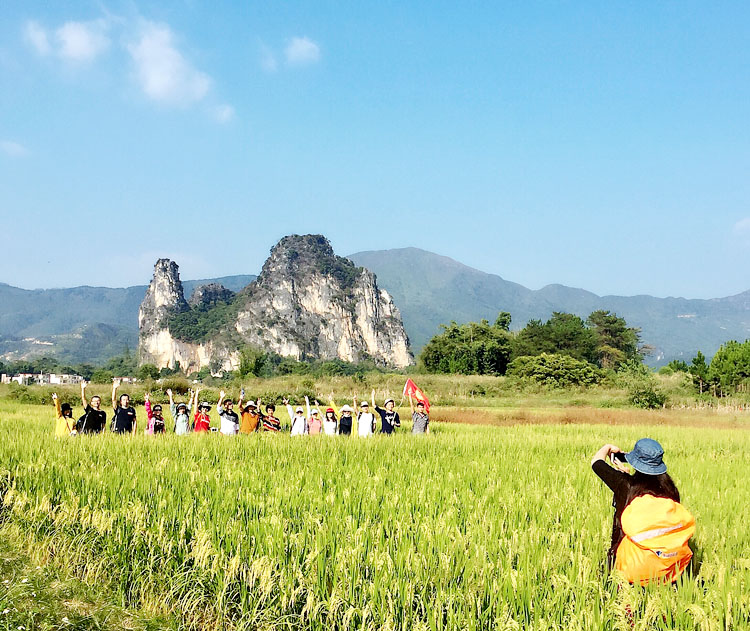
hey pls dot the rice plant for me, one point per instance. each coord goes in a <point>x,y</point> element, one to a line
<point>467,528</point>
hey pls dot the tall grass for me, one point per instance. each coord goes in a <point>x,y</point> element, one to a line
<point>472,527</point>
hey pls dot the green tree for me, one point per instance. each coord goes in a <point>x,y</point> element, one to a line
<point>616,342</point>
<point>472,348</point>
<point>252,361</point>
<point>699,371</point>
<point>148,371</point>
<point>562,334</point>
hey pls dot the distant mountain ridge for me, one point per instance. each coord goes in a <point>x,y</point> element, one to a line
<point>78,324</point>
<point>93,323</point>
<point>430,290</point>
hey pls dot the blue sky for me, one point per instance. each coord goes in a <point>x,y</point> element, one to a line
<point>598,145</point>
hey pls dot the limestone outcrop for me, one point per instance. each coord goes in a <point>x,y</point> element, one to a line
<point>306,304</point>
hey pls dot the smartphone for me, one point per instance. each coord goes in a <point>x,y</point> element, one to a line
<point>620,457</point>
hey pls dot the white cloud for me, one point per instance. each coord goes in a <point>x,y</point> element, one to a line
<point>36,35</point>
<point>742,227</point>
<point>82,41</point>
<point>224,113</point>
<point>267,59</point>
<point>162,72</point>
<point>13,149</point>
<point>301,51</point>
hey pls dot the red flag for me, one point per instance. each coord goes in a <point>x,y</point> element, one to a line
<point>411,390</point>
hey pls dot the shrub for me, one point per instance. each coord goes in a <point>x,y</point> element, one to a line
<point>558,371</point>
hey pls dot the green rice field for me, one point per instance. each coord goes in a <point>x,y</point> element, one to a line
<point>471,527</point>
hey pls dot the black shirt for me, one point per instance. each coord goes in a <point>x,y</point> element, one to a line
<point>388,420</point>
<point>93,421</point>
<point>122,421</point>
<point>619,483</point>
<point>345,424</point>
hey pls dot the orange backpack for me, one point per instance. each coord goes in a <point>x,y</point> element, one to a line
<point>655,546</point>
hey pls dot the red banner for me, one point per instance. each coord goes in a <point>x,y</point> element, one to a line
<point>411,390</point>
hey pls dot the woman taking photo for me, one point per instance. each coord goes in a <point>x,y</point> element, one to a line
<point>650,529</point>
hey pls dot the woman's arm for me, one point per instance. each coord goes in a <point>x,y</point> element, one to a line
<point>307,405</point>
<point>83,395</point>
<point>605,452</point>
<point>56,401</point>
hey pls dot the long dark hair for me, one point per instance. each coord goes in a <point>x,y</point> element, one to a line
<point>657,485</point>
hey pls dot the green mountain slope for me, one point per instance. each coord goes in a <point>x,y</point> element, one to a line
<point>431,290</point>
<point>78,324</point>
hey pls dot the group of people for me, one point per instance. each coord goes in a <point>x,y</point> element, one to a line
<point>247,419</point>
<point>650,528</point>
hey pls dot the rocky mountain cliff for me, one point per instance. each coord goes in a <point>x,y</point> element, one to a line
<point>307,303</point>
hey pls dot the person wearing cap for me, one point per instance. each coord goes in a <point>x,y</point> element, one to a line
<point>201,420</point>
<point>314,422</point>
<point>181,413</point>
<point>389,418</point>
<point>346,421</point>
<point>249,416</point>
<point>330,424</point>
<point>230,421</point>
<point>420,420</point>
<point>64,425</point>
<point>297,419</point>
<point>650,478</point>
<point>155,424</point>
<point>365,419</point>
<point>270,422</point>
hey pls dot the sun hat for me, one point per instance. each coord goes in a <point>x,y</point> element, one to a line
<point>315,411</point>
<point>181,405</point>
<point>250,404</point>
<point>646,457</point>
<point>329,410</point>
<point>387,401</point>
<point>206,405</point>
<point>299,409</point>
<point>346,408</point>
<point>364,404</point>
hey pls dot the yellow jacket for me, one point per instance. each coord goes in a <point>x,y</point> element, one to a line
<point>63,426</point>
<point>655,546</point>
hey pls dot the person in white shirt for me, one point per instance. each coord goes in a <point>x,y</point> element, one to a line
<point>365,420</point>
<point>297,419</point>
<point>330,424</point>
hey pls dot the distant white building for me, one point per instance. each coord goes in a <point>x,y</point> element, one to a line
<point>130,380</point>
<point>43,379</point>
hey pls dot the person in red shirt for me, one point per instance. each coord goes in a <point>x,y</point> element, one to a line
<point>202,421</point>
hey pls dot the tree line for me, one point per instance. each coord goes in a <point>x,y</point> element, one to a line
<point>603,341</point>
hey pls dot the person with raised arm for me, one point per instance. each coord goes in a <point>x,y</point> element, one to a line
<point>650,528</point>
<point>419,417</point>
<point>124,420</point>
<point>249,415</point>
<point>94,419</point>
<point>201,420</point>
<point>64,425</point>
<point>314,423</point>
<point>180,413</point>
<point>297,419</point>
<point>230,422</point>
<point>389,418</point>
<point>154,415</point>
<point>365,419</point>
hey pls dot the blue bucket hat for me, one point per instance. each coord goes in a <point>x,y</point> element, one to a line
<point>647,457</point>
